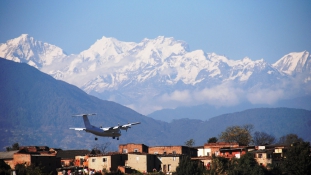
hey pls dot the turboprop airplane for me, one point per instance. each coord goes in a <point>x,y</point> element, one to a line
<point>114,132</point>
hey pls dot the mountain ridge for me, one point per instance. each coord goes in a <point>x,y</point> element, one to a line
<point>163,73</point>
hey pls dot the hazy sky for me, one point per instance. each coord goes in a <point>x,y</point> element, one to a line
<point>256,29</point>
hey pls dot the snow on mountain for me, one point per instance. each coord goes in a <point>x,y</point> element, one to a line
<point>27,49</point>
<point>293,63</point>
<point>163,73</point>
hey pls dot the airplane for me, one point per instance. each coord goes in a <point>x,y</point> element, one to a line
<point>114,132</point>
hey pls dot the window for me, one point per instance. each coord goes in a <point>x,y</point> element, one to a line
<point>259,155</point>
<point>169,167</point>
<point>207,154</point>
<point>124,151</point>
<point>174,158</point>
<point>135,150</point>
<point>156,153</point>
<point>104,159</point>
<point>164,152</point>
<point>93,160</point>
<point>174,152</point>
<point>137,158</point>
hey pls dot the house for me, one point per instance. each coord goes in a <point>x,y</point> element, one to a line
<point>81,161</point>
<point>7,157</point>
<point>164,150</point>
<point>214,148</point>
<point>132,147</point>
<point>41,156</point>
<point>269,154</point>
<point>107,162</point>
<point>206,160</point>
<point>142,162</point>
<point>68,156</point>
<point>169,162</point>
<point>232,152</point>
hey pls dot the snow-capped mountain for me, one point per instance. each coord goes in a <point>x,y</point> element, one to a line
<point>163,73</point>
<point>26,49</point>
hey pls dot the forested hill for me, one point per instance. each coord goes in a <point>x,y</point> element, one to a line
<point>36,109</point>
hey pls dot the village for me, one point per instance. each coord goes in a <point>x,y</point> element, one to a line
<point>135,157</point>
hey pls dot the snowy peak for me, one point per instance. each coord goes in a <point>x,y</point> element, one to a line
<point>293,63</point>
<point>26,49</point>
<point>106,48</point>
<point>162,72</point>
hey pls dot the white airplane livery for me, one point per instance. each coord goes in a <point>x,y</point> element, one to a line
<point>114,132</point>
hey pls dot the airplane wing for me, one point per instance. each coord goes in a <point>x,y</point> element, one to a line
<point>78,129</point>
<point>123,127</point>
<point>126,126</point>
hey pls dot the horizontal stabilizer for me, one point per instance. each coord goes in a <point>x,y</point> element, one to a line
<point>81,115</point>
<point>78,129</point>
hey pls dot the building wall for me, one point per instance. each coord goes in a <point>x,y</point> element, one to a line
<point>108,162</point>
<point>141,162</point>
<point>263,158</point>
<point>99,163</point>
<point>22,159</point>
<point>193,152</point>
<point>214,147</point>
<point>10,163</point>
<point>165,150</point>
<point>131,147</point>
<point>169,163</point>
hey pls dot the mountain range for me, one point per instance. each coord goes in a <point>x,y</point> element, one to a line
<point>36,109</point>
<point>163,73</point>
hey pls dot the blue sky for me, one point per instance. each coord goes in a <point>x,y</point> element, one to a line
<point>257,29</point>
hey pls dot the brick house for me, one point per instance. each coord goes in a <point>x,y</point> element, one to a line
<point>214,148</point>
<point>232,152</point>
<point>164,150</point>
<point>7,157</point>
<point>81,161</point>
<point>68,156</point>
<point>37,156</point>
<point>132,147</point>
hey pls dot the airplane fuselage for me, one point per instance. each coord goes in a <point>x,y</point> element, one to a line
<point>99,132</point>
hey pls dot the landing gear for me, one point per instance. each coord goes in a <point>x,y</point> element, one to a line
<point>96,138</point>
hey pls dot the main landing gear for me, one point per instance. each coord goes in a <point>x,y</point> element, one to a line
<point>115,137</point>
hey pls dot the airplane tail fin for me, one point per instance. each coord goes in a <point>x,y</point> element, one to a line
<point>85,119</point>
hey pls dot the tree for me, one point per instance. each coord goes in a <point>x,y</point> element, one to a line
<point>4,168</point>
<point>22,169</point>
<point>262,138</point>
<point>289,139</point>
<point>15,146</point>
<point>219,165</point>
<point>212,140</point>
<point>190,143</point>
<point>297,159</point>
<point>188,166</point>
<point>239,134</point>
<point>247,165</point>
<point>101,148</point>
